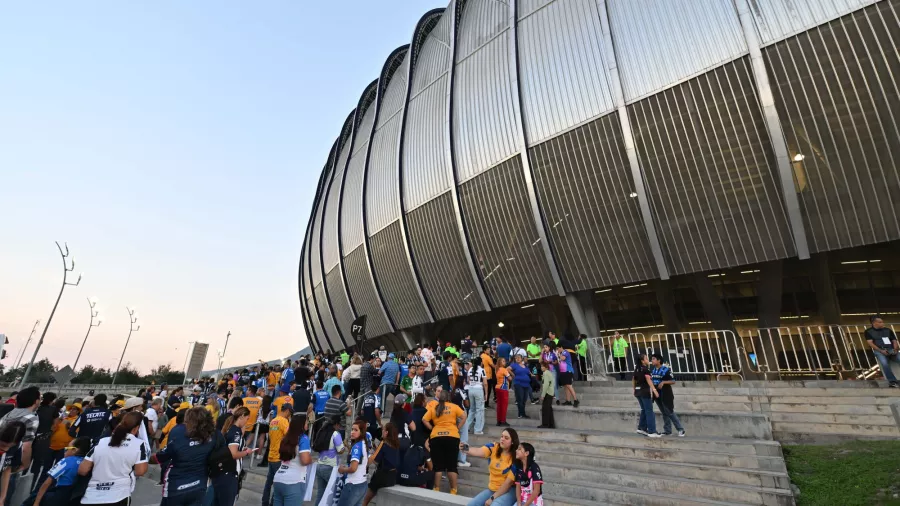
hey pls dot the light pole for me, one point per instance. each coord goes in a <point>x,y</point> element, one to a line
<point>222,354</point>
<point>27,342</point>
<point>92,302</point>
<point>131,328</point>
<point>66,270</point>
<point>186,357</point>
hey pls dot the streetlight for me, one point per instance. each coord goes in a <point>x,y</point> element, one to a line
<point>66,270</point>
<point>21,353</point>
<point>92,302</point>
<point>184,369</point>
<point>131,328</point>
<point>222,353</point>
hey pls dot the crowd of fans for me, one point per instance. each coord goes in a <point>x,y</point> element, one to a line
<point>315,424</point>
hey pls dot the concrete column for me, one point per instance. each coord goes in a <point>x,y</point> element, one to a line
<point>769,293</point>
<point>712,304</point>
<point>665,299</point>
<point>581,305</point>
<point>823,284</point>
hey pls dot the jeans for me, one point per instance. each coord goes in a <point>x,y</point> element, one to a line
<point>352,495</point>
<point>669,417</point>
<point>193,498</point>
<point>464,435</point>
<point>270,476</point>
<point>885,362</point>
<point>323,474</point>
<point>225,489</point>
<point>476,410</point>
<point>507,499</point>
<point>383,392</point>
<point>289,495</point>
<point>523,394</point>
<point>647,422</point>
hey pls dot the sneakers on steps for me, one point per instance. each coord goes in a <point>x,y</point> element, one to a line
<point>681,433</point>
<point>641,431</point>
<point>654,435</point>
<point>464,464</point>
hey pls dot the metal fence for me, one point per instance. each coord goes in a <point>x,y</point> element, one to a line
<point>691,355</point>
<point>812,351</point>
<point>76,388</point>
<point>821,351</point>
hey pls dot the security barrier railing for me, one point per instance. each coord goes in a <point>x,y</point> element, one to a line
<point>836,351</point>
<point>691,355</point>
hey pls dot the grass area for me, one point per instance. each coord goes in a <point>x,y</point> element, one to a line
<point>856,473</point>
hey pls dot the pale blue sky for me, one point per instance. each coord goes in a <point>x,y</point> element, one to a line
<point>176,146</point>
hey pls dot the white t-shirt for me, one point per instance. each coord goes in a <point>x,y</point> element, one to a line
<point>428,356</point>
<point>418,385</point>
<point>474,378</point>
<point>292,471</point>
<point>113,478</point>
<point>153,417</point>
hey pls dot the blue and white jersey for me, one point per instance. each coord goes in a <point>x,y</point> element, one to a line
<point>65,472</point>
<point>187,461</point>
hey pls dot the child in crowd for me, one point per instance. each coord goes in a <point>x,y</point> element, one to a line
<point>527,474</point>
<point>57,489</point>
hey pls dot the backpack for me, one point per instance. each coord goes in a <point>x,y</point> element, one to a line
<point>322,435</point>
<point>220,459</point>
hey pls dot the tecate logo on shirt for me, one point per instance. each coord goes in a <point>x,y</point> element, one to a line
<point>189,485</point>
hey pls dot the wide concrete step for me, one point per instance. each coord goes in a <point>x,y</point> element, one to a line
<point>680,404</point>
<point>715,423</point>
<point>826,432</point>
<point>559,464</point>
<point>638,490</point>
<point>691,449</point>
<point>830,418</point>
<point>838,409</point>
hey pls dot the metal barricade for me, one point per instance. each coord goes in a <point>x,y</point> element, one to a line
<point>600,356</point>
<point>810,351</point>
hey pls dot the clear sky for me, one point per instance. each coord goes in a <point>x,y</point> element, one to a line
<point>176,146</point>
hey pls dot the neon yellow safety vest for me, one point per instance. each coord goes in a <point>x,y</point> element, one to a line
<point>619,346</point>
<point>582,348</point>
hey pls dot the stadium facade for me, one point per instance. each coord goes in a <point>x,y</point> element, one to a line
<point>588,165</point>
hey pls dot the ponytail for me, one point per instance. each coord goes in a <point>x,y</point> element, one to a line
<point>442,401</point>
<point>237,413</point>
<point>129,422</point>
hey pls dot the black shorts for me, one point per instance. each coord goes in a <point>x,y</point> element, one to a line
<point>383,478</point>
<point>566,378</point>
<point>444,454</point>
<point>249,429</point>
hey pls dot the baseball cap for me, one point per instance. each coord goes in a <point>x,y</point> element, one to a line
<point>390,355</point>
<point>400,399</point>
<point>133,402</point>
<point>120,402</point>
<point>183,405</point>
<point>76,406</point>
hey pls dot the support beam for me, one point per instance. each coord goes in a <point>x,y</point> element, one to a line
<point>665,299</point>
<point>769,294</point>
<point>823,284</point>
<point>581,305</point>
<point>536,214</point>
<point>618,96</point>
<point>773,125</point>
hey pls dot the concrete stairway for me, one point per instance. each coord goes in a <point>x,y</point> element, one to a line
<point>817,411</point>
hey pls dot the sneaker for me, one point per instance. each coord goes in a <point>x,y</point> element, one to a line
<point>664,433</point>
<point>641,431</point>
<point>500,424</point>
<point>479,433</point>
<point>535,402</point>
<point>506,424</point>
<point>893,385</point>
<point>654,435</point>
<point>557,402</point>
<point>681,433</point>
<point>520,417</point>
<point>567,403</point>
<point>464,464</point>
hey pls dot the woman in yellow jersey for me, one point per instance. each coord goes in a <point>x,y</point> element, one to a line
<point>444,421</point>
<point>177,419</point>
<point>501,483</point>
<point>59,434</point>
<point>212,405</point>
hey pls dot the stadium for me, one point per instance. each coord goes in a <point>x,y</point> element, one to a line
<point>589,166</point>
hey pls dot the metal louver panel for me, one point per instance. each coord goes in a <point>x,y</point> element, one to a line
<point>330,252</point>
<point>710,172</point>
<point>661,42</point>
<point>778,19</point>
<point>331,332</point>
<point>340,302</point>
<point>352,206</point>
<point>314,254</point>
<point>426,171</point>
<point>382,195</point>
<point>508,251</point>
<point>837,95</point>
<point>440,259</point>
<point>485,127</point>
<point>584,182</point>
<point>359,282</point>
<point>526,7</point>
<point>389,261</point>
<point>561,69</point>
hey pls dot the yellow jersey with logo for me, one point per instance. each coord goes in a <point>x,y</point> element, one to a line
<point>277,429</point>
<point>253,404</point>
<point>498,467</point>
<point>445,425</point>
